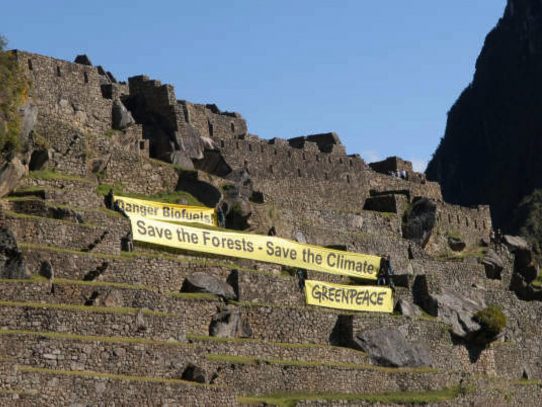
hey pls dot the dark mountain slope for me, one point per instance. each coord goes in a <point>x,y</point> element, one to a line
<point>491,151</point>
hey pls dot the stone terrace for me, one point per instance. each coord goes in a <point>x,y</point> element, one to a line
<point>91,323</point>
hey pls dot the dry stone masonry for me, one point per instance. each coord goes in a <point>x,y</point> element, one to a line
<point>83,321</point>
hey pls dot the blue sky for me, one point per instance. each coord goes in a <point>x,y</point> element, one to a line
<point>382,74</point>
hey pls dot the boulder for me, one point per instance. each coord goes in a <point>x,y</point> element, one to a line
<point>239,214</point>
<point>12,264</point>
<point>456,244</point>
<point>181,159</point>
<point>407,308</point>
<point>110,299</point>
<point>121,118</point>
<point>99,165</point>
<point>457,311</point>
<point>420,220</point>
<point>194,373</point>
<point>47,270</point>
<point>389,347</point>
<point>140,321</point>
<point>10,174</point>
<point>515,243</point>
<point>493,265</point>
<point>300,237</point>
<point>200,282</point>
<point>229,324</point>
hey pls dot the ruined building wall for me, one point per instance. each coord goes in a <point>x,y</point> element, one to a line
<point>469,224</point>
<point>66,92</point>
<point>211,122</point>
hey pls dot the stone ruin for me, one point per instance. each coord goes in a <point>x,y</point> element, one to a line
<point>85,323</point>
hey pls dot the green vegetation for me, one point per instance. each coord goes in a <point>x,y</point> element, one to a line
<point>528,382</point>
<point>492,321</point>
<point>111,376</point>
<point>92,338</point>
<point>52,175</point>
<point>218,339</point>
<point>83,308</point>
<point>167,197</point>
<point>401,397</point>
<point>46,219</point>
<point>388,215</point>
<point>469,252</point>
<point>237,359</point>
<point>527,219</point>
<point>13,94</point>
<point>31,189</point>
<point>40,141</point>
<point>177,168</point>
<point>195,296</point>
<point>537,282</point>
<point>454,234</point>
<point>125,286</point>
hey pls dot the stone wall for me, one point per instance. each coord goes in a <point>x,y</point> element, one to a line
<point>66,92</point>
<point>469,224</point>
<point>67,234</point>
<point>213,123</point>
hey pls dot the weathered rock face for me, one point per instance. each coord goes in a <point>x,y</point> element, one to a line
<point>457,311</point>
<point>525,269</point>
<point>237,197</point>
<point>229,324</point>
<point>493,264</point>
<point>121,117</point>
<point>419,221</point>
<point>408,309</point>
<point>491,148</point>
<point>12,264</point>
<point>388,347</point>
<point>29,118</point>
<point>194,373</point>
<point>10,174</point>
<point>200,282</point>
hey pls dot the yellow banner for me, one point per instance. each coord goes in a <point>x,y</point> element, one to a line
<point>268,249</point>
<point>165,211</point>
<point>347,297</point>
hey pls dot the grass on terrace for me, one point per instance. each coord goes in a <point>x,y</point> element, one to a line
<point>83,308</point>
<point>36,218</point>
<point>36,279</point>
<point>217,339</point>
<point>470,252</point>
<point>111,376</point>
<point>236,359</point>
<point>173,197</point>
<point>528,382</point>
<point>50,175</point>
<point>291,399</point>
<point>92,338</point>
<point>537,283</point>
